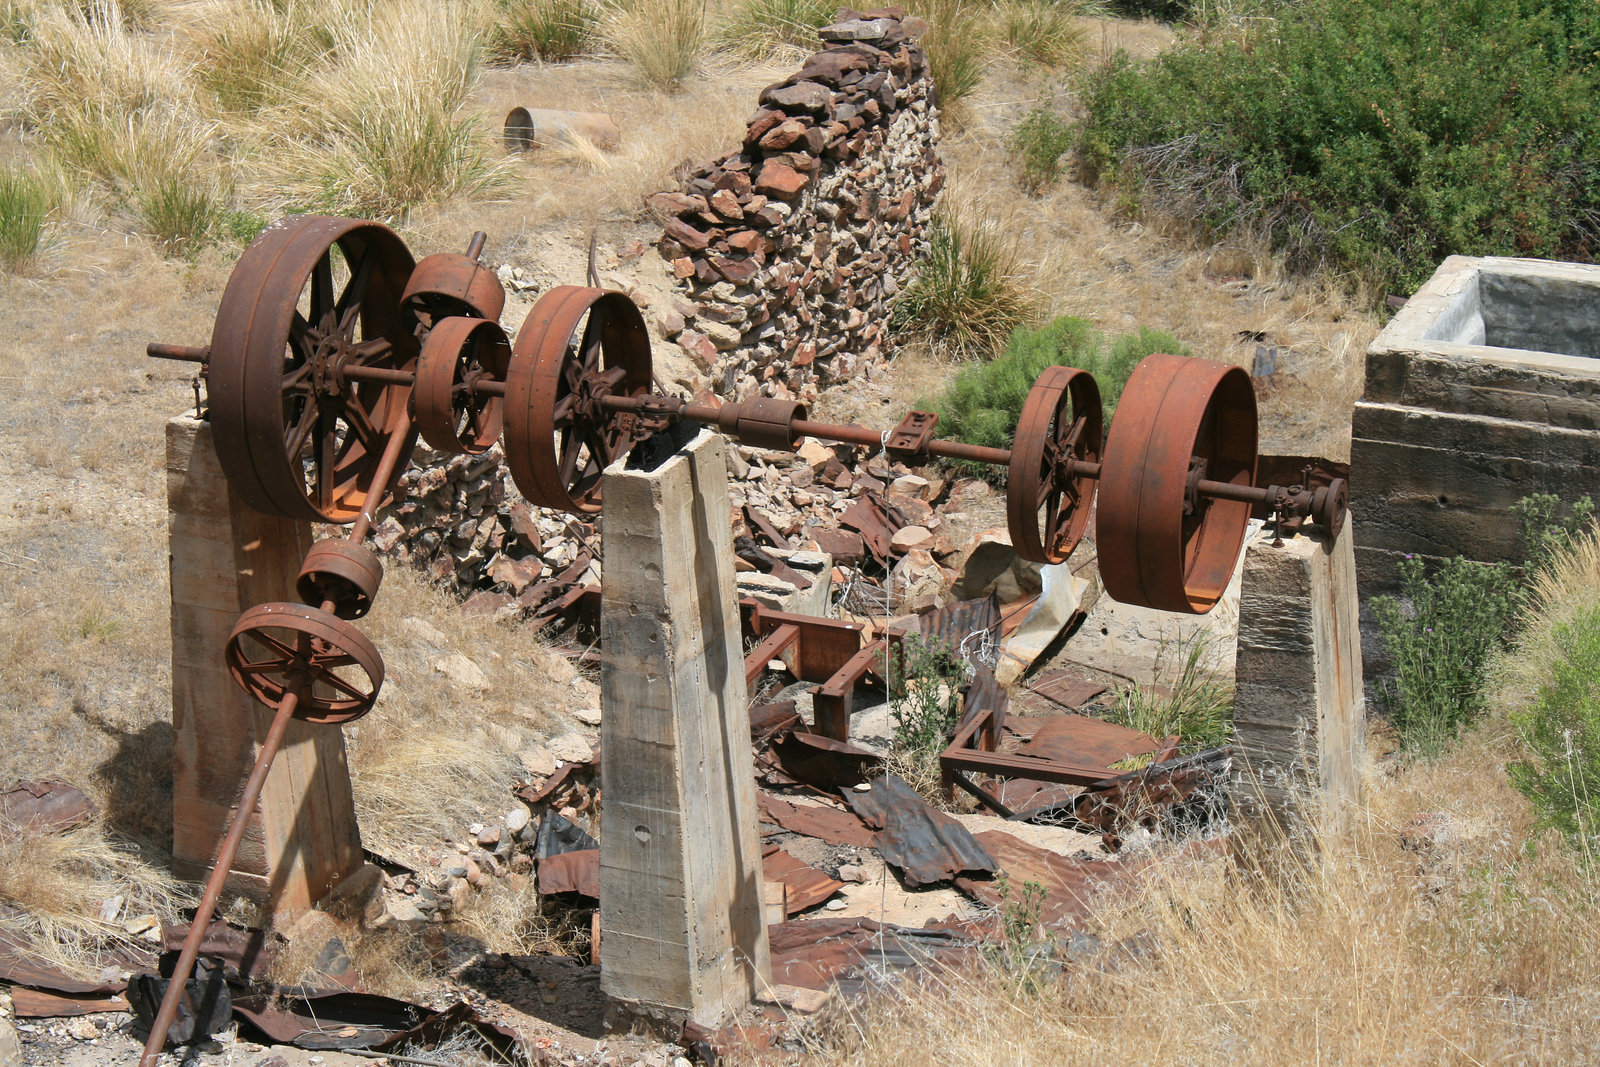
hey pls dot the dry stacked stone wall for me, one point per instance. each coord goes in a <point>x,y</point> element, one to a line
<point>792,247</point>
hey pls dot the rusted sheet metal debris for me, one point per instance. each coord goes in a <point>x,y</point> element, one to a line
<point>824,822</point>
<point>47,806</point>
<point>1068,686</point>
<point>571,872</point>
<point>768,719</point>
<point>820,762</point>
<point>875,521</point>
<point>332,1021</point>
<point>204,1008</point>
<point>38,1004</point>
<point>814,953</point>
<point>956,624</point>
<point>566,775</point>
<point>1085,740</point>
<point>804,886</point>
<point>21,964</point>
<point>1140,797</point>
<point>1070,884</point>
<point>927,845</point>
<point>245,953</point>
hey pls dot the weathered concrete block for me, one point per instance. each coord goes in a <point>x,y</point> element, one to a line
<point>1485,388</point>
<point>1299,714</point>
<point>680,860</point>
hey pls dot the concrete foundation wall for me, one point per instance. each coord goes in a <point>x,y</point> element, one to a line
<point>1482,390</point>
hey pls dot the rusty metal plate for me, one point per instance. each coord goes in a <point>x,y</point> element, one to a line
<point>804,886</point>
<point>825,823</point>
<point>571,872</point>
<point>1068,686</point>
<point>1070,884</point>
<point>927,845</point>
<point>1154,551</point>
<point>47,806</point>
<point>34,1004</point>
<point>1086,741</point>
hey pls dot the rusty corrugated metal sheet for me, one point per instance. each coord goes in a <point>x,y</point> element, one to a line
<point>804,886</point>
<point>927,845</point>
<point>571,872</point>
<point>814,820</point>
<point>954,623</point>
<point>1087,741</point>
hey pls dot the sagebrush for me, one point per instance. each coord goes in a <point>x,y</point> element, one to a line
<point>1363,134</point>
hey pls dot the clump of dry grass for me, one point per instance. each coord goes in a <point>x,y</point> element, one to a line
<point>1041,31</point>
<point>248,52</point>
<point>664,40</point>
<point>762,28</point>
<point>1390,946</point>
<point>958,42</point>
<point>53,885</point>
<point>550,30</point>
<point>378,131</point>
<point>972,286</point>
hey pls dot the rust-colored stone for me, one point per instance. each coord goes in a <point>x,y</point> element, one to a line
<point>779,181</point>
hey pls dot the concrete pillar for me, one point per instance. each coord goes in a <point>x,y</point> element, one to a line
<point>225,558</point>
<point>682,935</point>
<point>1299,714</point>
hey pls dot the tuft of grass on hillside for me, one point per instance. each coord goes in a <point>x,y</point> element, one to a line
<point>548,30</point>
<point>1364,134</point>
<point>761,28</point>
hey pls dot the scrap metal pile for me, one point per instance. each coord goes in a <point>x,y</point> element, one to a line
<point>333,351</point>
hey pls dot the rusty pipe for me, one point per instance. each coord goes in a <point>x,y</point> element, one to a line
<point>475,246</point>
<point>219,874</point>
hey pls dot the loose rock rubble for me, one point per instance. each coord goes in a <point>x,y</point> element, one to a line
<point>791,247</point>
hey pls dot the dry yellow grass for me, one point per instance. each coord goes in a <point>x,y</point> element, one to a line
<point>1473,949</point>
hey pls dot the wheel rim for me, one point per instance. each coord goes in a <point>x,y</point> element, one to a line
<point>294,436</point>
<point>1174,409</point>
<point>459,353</point>
<point>446,285</point>
<point>274,647</point>
<point>559,439</point>
<point>345,573</point>
<point>1047,508</point>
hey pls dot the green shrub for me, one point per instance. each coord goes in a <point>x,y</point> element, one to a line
<point>179,210</point>
<point>25,203</point>
<point>968,293</point>
<point>759,28</point>
<point>927,705</point>
<point>1195,704</point>
<point>984,401</point>
<point>551,30</point>
<point>1561,731</point>
<point>1545,531</point>
<point>1039,141</point>
<point>1457,617</point>
<point>1366,133</point>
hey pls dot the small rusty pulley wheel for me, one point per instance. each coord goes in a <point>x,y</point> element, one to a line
<point>1047,502</point>
<point>1161,543</point>
<point>1328,506</point>
<point>343,572</point>
<point>461,355</point>
<point>273,645</point>
<point>311,298</point>
<point>448,284</point>
<point>559,434</point>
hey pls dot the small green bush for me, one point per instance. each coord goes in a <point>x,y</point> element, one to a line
<point>758,28</point>
<point>927,694</point>
<point>984,401</point>
<point>1545,531</point>
<point>1366,134</point>
<point>1458,616</point>
<point>25,204</point>
<point>968,293</point>
<point>179,211</point>
<point>1039,141</point>
<point>551,30</point>
<point>1561,731</point>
